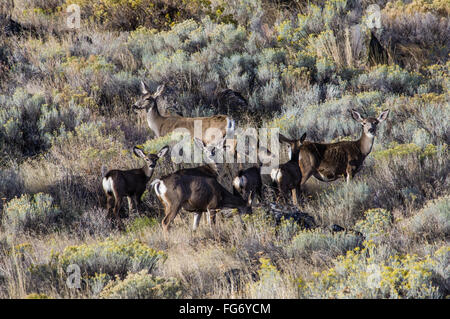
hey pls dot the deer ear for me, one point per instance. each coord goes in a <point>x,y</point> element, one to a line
<point>383,116</point>
<point>138,152</point>
<point>302,139</point>
<point>144,88</point>
<point>163,151</point>
<point>283,139</point>
<point>356,116</point>
<point>159,91</point>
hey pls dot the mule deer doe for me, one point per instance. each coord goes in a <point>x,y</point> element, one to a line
<point>248,182</point>
<point>163,125</point>
<point>327,162</point>
<point>196,190</point>
<point>131,183</point>
<point>287,176</point>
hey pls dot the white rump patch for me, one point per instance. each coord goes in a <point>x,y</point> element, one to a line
<point>108,185</point>
<point>160,190</point>
<point>237,183</point>
<point>275,175</point>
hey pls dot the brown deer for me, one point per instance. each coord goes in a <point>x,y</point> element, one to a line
<point>248,182</point>
<point>162,125</point>
<point>211,169</point>
<point>197,190</point>
<point>197,194</point>
<point>287,176</point>
<point>328,162</point>
<point>131,183</point>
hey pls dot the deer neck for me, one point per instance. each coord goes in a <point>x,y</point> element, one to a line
<point>365,143</point>
<point>147,171</point>
<point>155,119</point>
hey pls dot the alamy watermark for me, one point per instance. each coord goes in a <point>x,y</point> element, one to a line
<point>251,145</point>
<point>73,20</point>
<point>373,16</point>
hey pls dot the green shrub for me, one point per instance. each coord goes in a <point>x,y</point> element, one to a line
<point>111,257</point>
<point>30,212</point>
<point>307,242</point>
<point>139,224</point>
<point>142,285</point>
<point>390,79</point>
<point>433,220</point>
<point>341,204</point>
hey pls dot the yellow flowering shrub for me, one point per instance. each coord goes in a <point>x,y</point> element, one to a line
<point>359,275</point>
<point>376,223</point>
<point>271,283</point>
<point>401,150</point>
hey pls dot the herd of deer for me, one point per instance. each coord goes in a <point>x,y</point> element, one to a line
<point>197,189</point>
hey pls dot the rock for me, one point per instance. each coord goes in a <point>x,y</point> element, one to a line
<point>279,212</point>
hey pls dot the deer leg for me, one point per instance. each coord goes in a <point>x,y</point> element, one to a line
<point>284,193</point>
<point>137,202</point>
<point>259,193</point>
<point>116,212</point>
<point>294,196</point>
<point>212,218</point>
<point>109,204</point>
<point>197,217</point>
<point>130,205</point>
<point>298,191</point>
<point>171,212</point>
<point>351,171</point>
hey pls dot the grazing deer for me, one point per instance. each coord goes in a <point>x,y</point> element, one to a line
<point>130,183</point>
<point>210,169</point>
<point>194,193</point>
<point>197,189</point>
<point>162,125</point>
<point>288,176</point>
<point>327,162</point>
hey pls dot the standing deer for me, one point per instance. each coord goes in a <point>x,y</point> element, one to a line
<point>211,168</point>
<point>197,190</point>
<point>130,183</point>
<point>248,182</point>
<point>163,125</point>
<point>327,162</point>
<point>196,194</point>
<point>288,176</point>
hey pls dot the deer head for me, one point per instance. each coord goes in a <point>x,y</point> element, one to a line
<point>369,124</point>
<point>294,145</point>
<point>150,159</point>
<point>147,100</point>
